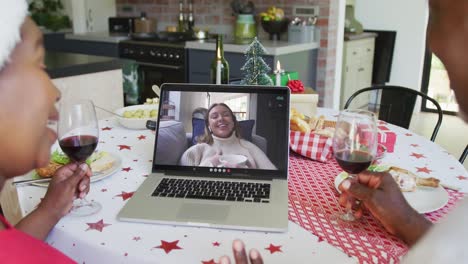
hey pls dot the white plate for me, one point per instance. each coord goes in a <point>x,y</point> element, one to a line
<point>135,123</point>
<point>104,174</point>
<point>423,200</point>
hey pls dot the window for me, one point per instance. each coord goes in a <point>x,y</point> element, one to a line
<point>239,107</point>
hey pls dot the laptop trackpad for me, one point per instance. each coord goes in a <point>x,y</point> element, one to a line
<point>194,211</point>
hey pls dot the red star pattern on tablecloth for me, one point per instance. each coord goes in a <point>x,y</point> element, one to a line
<point>106,128</point>
<point>104,190</point>
<point>127,169</point>
<point>135,160</point>
<point>424,169</point>
<point>414,145</point>
<point>211,261</point>
<point>99,225</point>
<point>168,246</point>
<point>122,147</point>
<point>272,248</point>
<point>216,244</point>
<point>137,238</point>
<point>125,195</point>
<point>417,155</point>
<point>141,137</point>
<point>408,134</point>
<point>462,178</point>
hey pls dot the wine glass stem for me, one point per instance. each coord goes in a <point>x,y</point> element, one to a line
<point>349,215</point>
<point>83,201</point>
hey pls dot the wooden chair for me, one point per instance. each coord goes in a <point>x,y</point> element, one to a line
<point>395,104</point>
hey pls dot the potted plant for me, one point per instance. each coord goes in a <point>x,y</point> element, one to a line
<point>49,14</point>
<point>245,30</point>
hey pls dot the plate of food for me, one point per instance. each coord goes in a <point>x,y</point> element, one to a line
<point>424,194</point>
<point>102,163</point>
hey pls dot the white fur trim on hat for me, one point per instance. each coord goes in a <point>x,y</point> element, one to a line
<point>12,15</point>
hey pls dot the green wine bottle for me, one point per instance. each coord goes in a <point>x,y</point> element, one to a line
<point>219,66</point>
<point>181,19</point>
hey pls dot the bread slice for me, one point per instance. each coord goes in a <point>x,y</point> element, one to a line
<point>298,124</point>
<point>103,161</point>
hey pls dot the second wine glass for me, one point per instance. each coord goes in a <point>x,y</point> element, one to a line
<point>355,144</point>
<point>78,134</point>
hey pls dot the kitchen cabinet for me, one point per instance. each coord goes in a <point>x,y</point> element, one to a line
<point>58,42</point>
<point>199,63</point>
<point>81,76</point>
<point>358,57</point>
<point>293,57</point>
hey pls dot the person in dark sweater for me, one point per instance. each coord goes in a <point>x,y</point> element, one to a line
<point>445,242</point>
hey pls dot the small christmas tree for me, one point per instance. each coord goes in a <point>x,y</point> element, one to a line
<point>255,68</point>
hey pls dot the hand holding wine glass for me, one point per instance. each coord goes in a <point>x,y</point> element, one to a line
<point>355,144</point>
<point>78,137</point>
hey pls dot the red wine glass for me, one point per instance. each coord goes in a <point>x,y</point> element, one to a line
<point>355,145</point>
<point>78,135</point>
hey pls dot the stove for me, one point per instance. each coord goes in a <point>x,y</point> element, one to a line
<point>161,58</point>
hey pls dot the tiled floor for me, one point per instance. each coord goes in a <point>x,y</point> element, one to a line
<point>453,134</point>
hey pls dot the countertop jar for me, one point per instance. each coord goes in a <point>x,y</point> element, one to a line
<point>245,30</point>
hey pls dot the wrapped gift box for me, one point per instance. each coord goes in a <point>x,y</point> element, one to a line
<point>293,75</point>
<point>387,138</point>
<point>305,103</point>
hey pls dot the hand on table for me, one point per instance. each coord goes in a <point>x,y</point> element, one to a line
<point>69,182</point>
<point>240,256</point>
<point>380,194</point>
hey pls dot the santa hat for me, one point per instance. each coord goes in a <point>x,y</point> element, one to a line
<point>12,15</point>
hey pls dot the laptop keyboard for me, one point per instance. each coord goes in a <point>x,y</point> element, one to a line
<point>214,190</point>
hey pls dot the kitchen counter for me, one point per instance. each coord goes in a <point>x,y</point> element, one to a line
<point>63,64</point>
<point>272,47</point>
<point>98,37</point>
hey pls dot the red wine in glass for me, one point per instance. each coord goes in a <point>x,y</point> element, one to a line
<point>353,162</point>
<point>79,148</point>
<point>354,144</point>
<point>78,133</point>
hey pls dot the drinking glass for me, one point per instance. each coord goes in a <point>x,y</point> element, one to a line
<point>78,135</point>
<point>355,145</point>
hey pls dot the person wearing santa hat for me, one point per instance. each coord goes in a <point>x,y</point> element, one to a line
<point>27,105</point>
<point>27,98</point>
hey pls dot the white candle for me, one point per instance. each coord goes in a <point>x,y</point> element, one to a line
<point>278,73</point>
<point>218,72</point>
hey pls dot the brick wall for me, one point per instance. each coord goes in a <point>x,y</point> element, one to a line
<point>218,13</point>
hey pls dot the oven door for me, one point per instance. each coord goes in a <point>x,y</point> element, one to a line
<point>156,74</point>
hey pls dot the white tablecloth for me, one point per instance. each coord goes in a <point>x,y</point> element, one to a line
<point>101,238</point>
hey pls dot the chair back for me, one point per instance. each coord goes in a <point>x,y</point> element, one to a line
<point>463,155</point>
<point>395,104</point>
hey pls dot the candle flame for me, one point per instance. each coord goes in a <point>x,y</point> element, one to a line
<point>278,66</point>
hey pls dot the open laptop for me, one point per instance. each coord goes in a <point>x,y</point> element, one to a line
<point>242,194</point>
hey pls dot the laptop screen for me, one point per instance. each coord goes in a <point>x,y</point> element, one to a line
<point>231,130</point>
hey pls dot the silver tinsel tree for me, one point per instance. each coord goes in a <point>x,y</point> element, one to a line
<point>255,68</point>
